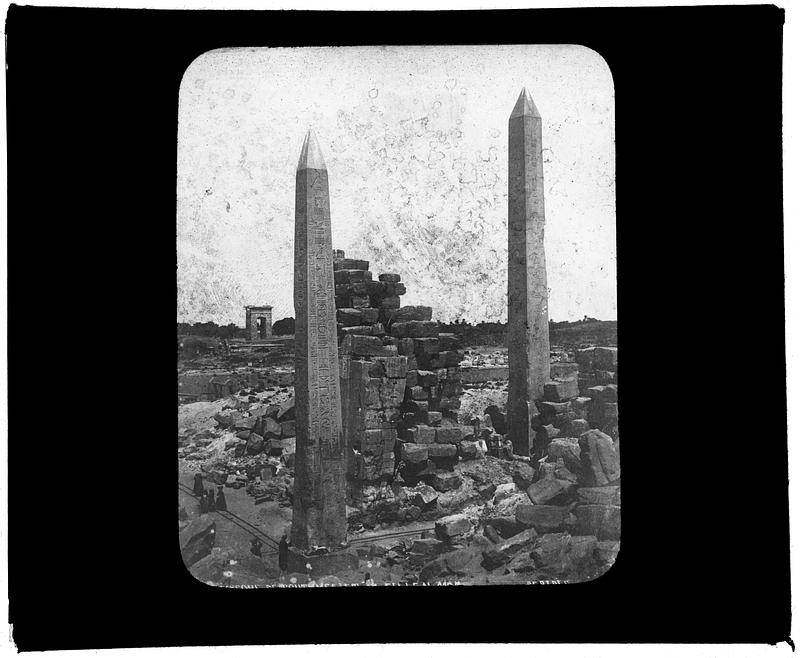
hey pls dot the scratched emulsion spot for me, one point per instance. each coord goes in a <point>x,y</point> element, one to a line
<point>417,173</point>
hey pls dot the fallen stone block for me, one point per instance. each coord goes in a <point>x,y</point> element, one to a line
<point>602,521</point>
<point>605,358</point>
<point>523,475</point>
<point>551,550</point>
<point>575,427</point>
<point>468,450</point>
<point>545,518</point>
<point>582,549</point>
<point>288,429</point>
<point>445,481</point>
<point>598,495</point>
<point>502,553</point>
<point>425,496</point>
<point>286,411</point>
<point>506,526</point>
<point>569,450</point>
<point>226,420</point>
<point>427,547</point>
<point>545,491</point>
<point>451,526</point>
<point>248,423</point>
<point>561,391</point>
<point>462,561</point>
<point>433,570</point>
<point>503,491</point>
<point>255,444</point>
<point>491,534</point>
<point>271,429</point>
<point>601,459</point>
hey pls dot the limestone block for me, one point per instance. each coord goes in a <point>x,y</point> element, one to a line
<point>599,495</point>
<point>602,521</point>
<point>545,518</point>
<point>560,391</point>
<point>449,435</point>
<point>452,526</point>
<point>545,491</point>
<point>413,453</point>
<point>415,329</point>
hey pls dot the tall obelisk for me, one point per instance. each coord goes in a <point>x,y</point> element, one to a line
<point>528,338</point>
<point>319,516</point>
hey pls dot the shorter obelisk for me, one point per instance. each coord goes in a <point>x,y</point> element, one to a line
<point>319,512</point>
<point>528,337</point>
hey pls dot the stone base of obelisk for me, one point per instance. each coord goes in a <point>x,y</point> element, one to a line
<point>322,565</point>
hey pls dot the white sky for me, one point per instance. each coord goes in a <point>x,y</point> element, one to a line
<point>415,139</point>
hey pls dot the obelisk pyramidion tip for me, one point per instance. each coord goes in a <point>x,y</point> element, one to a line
<point>311,154</point>
<point>525,106</point>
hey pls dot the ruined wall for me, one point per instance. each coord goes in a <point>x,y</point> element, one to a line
<point>401,383</point>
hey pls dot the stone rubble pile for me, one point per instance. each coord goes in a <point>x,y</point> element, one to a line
<point>252,446</point>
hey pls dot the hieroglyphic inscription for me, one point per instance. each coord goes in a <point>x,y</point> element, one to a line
<point>323,369</point>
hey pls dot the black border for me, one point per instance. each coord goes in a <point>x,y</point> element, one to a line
<point>92,107</point>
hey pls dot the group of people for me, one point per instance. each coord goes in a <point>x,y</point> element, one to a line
<point>208,501</point>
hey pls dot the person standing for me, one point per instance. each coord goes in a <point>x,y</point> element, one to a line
<point>221,504</point>
<point>198,484</point>
<point>211,505</point>
<point>283,554</point>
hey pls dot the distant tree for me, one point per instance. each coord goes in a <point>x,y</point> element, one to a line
<point>283,327</point>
